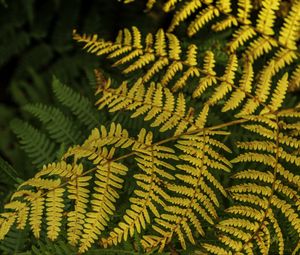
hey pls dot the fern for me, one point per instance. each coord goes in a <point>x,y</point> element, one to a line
<point>168,64</point>
<point>8,174</point>
<point>262,192</point>
<point>36,144</point>
<point>191,176</point>
<point>16,240</point>
<point>79,105</point>
<point>60,127</point>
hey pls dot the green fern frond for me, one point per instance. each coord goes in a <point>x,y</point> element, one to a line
<point>8,174</point>
<point>61,128</point>
<point>14,241</point>
<point>78,104</point>
<point>36,144</point>
<point>57,248</point>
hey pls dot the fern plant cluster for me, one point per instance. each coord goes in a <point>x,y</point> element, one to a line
<point>201,155</point>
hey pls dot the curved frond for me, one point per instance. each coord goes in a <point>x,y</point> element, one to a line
<point>258,193</point>
<point>36,144</point>
<point>183,216</point>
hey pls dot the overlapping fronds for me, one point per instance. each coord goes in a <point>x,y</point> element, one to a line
<point>34,142</point>
<point>162,58</point>
<point>45,193</point>
<point>267,188</point>
<point>195,200</point>
<point>176,189</point>
<point>78,104</point>
<point>161,54</point>
<point>61,128</point>
<point>257,35</point>
<point>156,102</point>
<point>150,195</point>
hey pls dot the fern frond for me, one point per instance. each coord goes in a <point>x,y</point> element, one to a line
<point>201,19</point>
<point>224,24</point>
<point>281,59</point>
<point>209,79</point>
<point>104,198</point>
<point>258,194</point>
<point>157,102</point>
<point>86,217</point>
<point>262,45</point>
<point>182,14</point>
<point>54,212</point>
<point>163,59</point>
<point>200,188</point>
<point>262,92</point>
<point>266,17</point>
<point>79,105</point>
<point>244,11</point>
<point>279,93</point>
<point>37,203</point>
<point>60,128</point>
<point>244,87</point>
<point>36,144</point>
<point>288,33</point>
<point>149,195</point>
<point>227,78</point>
<point>243,34</point>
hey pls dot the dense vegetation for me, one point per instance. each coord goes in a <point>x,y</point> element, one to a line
<point>177,138</point>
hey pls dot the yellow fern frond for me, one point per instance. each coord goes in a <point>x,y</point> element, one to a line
<point>279,93</point>
<point>258,192</point>
<point>157,103</point>
<point>224,24</point>
<point>150,193</point>
<point>184,12</point>
<point>181,216</point>
<point>240,37</point>
<point>244,87</point>
<point>105,196</point>
<point>169,4</point>
<point>174,44</point>
<point>294,83</point>
<point>278,232</point>
<point>259,47</point>
<point>262,91</point>
<point>36,214</point>
<point>244,10</point>
<point>228,79</point>
<point>282,58</point>
<point>209,79</point>
<point>288,211</point>
<point>266,17</point>
<point>160,43</point>
<point>216,250</point>
<point>224,6</point>
<point>22,212</point>
<point>289,32</point>
<point>7,220</point>
<point>79,194</point>
<point>202,18</point>
<point>54,212</point>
